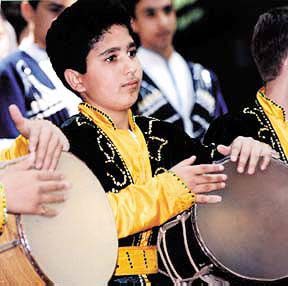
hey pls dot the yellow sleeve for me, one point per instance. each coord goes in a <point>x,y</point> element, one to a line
<point>18,148</point>
<point>140,207</point>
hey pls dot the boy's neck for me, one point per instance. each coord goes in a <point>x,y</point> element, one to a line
<point>40,45</point>
<point>277,90</point>
<point>119,118</point>
<point>165,53</point>
<point>122,121</point>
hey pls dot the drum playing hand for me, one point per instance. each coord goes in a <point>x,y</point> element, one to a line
<point>201,179</point>
<point>30,191</point>
<point>246,149</point>
<point>45,139</point>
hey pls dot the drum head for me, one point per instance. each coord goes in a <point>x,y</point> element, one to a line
<point>79,246</point>
<point>247,233</point>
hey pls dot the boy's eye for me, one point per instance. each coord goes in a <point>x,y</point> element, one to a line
<point>56,9</point>
<point>132,53</point>
<point>110,59</point>
<point>168,9</point>
<point>150,12</point>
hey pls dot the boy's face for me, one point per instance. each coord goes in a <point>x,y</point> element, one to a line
<point>155,23</point>
<point>6,43</point>
<point>43,16</point>
<point>113,75</point>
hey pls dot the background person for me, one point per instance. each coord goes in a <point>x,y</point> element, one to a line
<point>264,117</point>
<point>27,78</point>
<point>173,88</point>
<point>8,42</point>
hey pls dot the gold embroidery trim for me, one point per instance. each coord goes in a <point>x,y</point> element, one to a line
<point>137,260</point>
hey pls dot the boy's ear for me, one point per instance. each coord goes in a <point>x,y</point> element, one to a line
<point>74,79</point>
<point>27,11</point>
<point>285,62</point>
<point>134,25</point>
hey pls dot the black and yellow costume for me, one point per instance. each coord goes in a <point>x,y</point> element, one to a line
<point>132,166</point>
<point>263,119</point>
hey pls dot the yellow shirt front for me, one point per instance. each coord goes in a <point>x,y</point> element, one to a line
<point>276,115</point>
<point>150,201</point>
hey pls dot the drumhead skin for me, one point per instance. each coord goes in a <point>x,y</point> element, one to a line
<point>247,233</point>
<point>79,246</point>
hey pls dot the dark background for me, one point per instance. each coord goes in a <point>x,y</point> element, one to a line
<point>220,40</point>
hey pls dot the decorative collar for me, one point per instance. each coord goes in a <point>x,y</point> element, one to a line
<point>97,115</point>
<point>270,106</point>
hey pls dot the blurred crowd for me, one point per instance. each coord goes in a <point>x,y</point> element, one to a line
<point>186,94</point>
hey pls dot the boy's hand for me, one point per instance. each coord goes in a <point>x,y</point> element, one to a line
<point>201,179</point>
<point>244,149</point>
<point>45,139</point>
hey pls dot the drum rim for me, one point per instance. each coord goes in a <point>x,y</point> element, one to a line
<point>28,252</point>
<point>213,258</point>
<point>209,253</point>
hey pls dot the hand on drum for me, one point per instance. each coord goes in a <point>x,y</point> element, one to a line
<point>30,191</point>
<point>45,139</point>
<point>244,149</point>
<point>201,179</point>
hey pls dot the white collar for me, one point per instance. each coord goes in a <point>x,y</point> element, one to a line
<point>173,79</point>
<point>148,57</point>
<point>34,51</point>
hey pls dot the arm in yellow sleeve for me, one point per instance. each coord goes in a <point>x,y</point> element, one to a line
<point>18,148</point>
<point>140,207</point>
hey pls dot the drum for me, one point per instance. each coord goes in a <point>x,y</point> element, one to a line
<point>77,247</point>
<point>241,241</point>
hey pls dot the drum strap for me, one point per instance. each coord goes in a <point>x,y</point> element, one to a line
<point>137,260</point>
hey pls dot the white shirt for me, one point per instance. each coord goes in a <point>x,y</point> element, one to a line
<point>173,78</point>
<point>70,100</point>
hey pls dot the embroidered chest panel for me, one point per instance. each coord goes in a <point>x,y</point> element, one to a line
<point>116,174</point>
<point>266,132</point>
